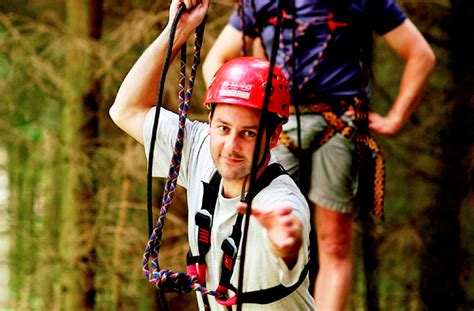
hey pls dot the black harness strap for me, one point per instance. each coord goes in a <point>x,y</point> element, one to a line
<point>272,294</point>
<point>203,220</point>
<point>204,217</point>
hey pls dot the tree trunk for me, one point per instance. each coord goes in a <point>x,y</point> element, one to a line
<point>117,252</point>
<point>80,132</point>
<point>443,257</point>
<point>24,172</point>
<point>49,291</point>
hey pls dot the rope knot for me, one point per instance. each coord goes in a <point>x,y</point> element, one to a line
<point>177,282</point>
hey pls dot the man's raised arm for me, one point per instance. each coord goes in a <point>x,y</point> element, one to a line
<point>138,91</point>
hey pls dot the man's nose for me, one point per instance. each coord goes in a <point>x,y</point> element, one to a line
<point>233,142</point>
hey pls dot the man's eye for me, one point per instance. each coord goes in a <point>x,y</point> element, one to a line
<point>222,128</point>
<point>250,134</point>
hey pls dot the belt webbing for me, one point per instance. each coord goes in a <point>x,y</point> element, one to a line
<point>365,143</point>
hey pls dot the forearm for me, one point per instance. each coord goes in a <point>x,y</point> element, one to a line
<point>415,76</point>
<point>138,91</point>
<point>419,58</point>
<point>139,88</point>
<point>210,66</point>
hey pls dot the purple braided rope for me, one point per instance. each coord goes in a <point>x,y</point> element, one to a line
<point>153,246</point>
<point>196,61</point>
<point>182,77</point>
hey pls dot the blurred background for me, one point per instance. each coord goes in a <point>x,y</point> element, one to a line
<point>73,221</point>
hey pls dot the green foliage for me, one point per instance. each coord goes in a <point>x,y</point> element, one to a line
<point>33,71</point>
<point>33,80</point>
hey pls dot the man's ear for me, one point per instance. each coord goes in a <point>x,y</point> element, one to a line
<point>276,136</point>
<point>210,121</point>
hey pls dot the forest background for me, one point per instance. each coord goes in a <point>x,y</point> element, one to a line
<point>73,186</point>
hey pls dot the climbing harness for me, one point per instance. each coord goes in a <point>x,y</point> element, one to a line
<point>204,220</point>
<point>368,151</point>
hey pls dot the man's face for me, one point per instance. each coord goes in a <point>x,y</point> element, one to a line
<point>233,134</point>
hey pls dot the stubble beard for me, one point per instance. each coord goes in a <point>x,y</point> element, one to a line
<point>232,172</point>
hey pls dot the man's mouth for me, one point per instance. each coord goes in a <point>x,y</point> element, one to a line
<point>232,159</point>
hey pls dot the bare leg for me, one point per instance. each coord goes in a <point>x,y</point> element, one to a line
<point>333,283</point>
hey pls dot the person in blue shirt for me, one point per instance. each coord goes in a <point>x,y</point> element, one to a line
<point>330,42</point>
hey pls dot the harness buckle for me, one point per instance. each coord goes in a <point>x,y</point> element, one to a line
<point>203,218</point>
<point>229,248</point>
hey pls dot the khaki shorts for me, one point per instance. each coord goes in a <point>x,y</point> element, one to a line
<point>330,172</point>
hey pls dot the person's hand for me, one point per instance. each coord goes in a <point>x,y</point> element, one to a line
<point>386,126</point>
<point>283,227</point>
<point>192,17</point>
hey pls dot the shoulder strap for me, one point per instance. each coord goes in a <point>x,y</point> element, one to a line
<point>271,172</point>
<point>204,217</point>
<point>203,220</point>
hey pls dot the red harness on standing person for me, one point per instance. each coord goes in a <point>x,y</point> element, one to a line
<point>196,265</point>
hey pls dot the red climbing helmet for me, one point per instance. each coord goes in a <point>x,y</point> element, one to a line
<point>241,81</point>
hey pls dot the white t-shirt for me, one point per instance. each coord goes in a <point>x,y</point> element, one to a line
<point>262,269</point>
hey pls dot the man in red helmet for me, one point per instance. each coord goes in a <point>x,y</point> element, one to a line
<point>278,238</point>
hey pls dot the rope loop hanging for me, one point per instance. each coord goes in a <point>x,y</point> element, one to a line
<point>154,243</point>
<point>167,280</point>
